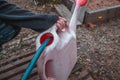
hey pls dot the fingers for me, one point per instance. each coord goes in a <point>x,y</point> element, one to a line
<point>61,23</point>
<point>61,18</point>
<point>59,27</point>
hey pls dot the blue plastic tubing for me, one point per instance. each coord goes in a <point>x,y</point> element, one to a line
<point>34,59</point>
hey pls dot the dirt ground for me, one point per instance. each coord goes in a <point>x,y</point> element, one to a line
<point>99,4</point>
<point>98,48</point>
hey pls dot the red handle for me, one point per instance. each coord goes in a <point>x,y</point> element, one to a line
<point>81,2</point>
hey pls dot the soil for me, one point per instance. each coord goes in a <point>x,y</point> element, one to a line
<point>98,48</point>
<point>99,4</point>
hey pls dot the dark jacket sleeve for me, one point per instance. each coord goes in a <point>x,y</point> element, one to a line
<point>7,32</point>
<point>13,15</point>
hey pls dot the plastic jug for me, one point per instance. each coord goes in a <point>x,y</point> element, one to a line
<point>60,56</point>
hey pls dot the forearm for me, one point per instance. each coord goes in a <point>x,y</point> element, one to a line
<point>16,16</point>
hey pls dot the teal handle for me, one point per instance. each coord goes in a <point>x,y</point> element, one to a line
<point>34,59</point>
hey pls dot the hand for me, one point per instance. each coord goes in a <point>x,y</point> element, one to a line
<point>61,23</point>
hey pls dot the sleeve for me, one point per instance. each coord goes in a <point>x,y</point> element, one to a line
<point>16,16</point>
<point>7,32</point>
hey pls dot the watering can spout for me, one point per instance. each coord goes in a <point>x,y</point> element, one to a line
<point>73,21</point>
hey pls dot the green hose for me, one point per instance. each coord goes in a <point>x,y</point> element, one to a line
<point>34,59</point>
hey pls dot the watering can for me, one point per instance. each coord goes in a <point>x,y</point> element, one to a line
<point>60,56</point>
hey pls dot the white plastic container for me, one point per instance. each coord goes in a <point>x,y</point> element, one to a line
<point>59,58</point>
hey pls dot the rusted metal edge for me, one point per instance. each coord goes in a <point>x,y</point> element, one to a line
<point>102,15</point>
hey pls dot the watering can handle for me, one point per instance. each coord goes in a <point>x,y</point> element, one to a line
<point>50,35</point>
<point>81,2</point>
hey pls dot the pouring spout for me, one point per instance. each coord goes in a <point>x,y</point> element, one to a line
<point>73,21</point>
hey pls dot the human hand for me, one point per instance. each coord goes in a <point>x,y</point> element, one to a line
<point>61,24</point>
